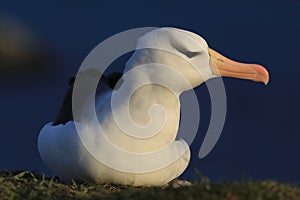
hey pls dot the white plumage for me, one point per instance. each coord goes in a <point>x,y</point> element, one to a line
<point>111,154</point>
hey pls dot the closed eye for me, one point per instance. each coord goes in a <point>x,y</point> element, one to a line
<point>191,54</point>
<point>180,48</point>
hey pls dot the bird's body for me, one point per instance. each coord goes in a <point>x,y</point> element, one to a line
<point>63,151</point>
<point>162,67</point>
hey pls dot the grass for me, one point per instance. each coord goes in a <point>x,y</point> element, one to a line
<point>27,185</point>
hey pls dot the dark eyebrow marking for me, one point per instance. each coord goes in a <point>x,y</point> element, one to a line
<point>191,54</point>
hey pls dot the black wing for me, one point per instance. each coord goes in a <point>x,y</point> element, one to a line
<point>65,114</point>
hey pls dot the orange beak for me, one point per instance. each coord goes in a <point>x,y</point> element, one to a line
<point>222,66</point>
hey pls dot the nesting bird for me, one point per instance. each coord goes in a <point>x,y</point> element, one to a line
<point>134,141</point>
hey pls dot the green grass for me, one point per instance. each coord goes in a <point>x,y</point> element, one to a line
<point>26,185</point>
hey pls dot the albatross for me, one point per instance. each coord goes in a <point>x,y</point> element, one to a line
<point>167,61</point>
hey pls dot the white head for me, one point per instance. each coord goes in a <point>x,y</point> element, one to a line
<point>189,54</point>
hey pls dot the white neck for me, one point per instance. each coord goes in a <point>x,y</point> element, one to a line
<point>137,115</point>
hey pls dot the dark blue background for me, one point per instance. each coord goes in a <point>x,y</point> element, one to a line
<point>261,137</point>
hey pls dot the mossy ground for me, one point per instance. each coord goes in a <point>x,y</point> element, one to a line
<point>27,185</point>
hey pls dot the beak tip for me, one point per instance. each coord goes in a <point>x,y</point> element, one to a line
<point>262,73</point>
<point>266,82</point>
